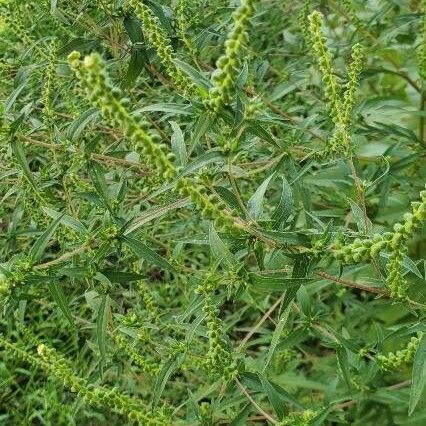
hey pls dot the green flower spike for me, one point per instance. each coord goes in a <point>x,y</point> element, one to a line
<point>396,359</point>
<point>228,65</point>
<point>394,242</point>
<point>158,38</point>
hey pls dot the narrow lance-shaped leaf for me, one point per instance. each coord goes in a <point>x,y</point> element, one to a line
<point>97,175</point>
<point>178,144</point>
<point>168,368</point>
<point>419,375</point>
<point>40,245</point>
<point>254,204</point>
<point>18,150</point>
<point>219,250</point>
<point>285,206</point>
<point>144,252</point>
<point>101,324</point>
<point>59,297</point>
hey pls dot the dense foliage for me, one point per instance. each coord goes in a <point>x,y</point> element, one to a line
<point>212,213</point>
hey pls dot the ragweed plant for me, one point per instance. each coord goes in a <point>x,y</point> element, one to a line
<point>201,232</point>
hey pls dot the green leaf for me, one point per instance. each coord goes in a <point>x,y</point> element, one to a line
<point>179,109</point>
<point>154,213</point>
<point>178,145</point>
<point>193,74</point>
<point>157,10</point>
<point>66,220</point>
<point>285,206</point>
<point>254,127</point>
<point>80,44</point>
<point>168,368</point>
<point>138,59</point>
<point>294,338</point>
<point>241,418</point>
<point>40,245</point>
<point>252,381</point>
<point>229,198</point>
<point>146,253</point>
<point>58,295</point>
<point>343,362</point>
<point>418,376</point>
<point>304,301</point>
<point>40,279</point>
<point>76,128</point>
<point>359,216</point>
<point>133,29</point>
<point>271,282</point>
<point>202,124</point>
<point>8,103</point>
<point>121,277</point>
<point>219,250</point>
<point>101,324</point>
<point>97,175</point>
<point>276,336</point>
<point>255,203</point>
<point>18,150</point>
<point>274,396</point>
<point>286,237</point>
<point>202,161</point>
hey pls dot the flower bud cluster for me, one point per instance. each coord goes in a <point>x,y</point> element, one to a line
<point>158,38</point>
<point>183,24</point>
<point>362,250</point>
<point>354,73</point>
<point>401,357</point>
<point>148,366</point>
<point>99,90</point>
<point>340,104</point>
<point>394,242</point>
<point>210,205</point>
<point>303,20</point>
<point>227,66</point>
<point>395,280</point>
<point>351,13</point>
<point>147,299</point>
<point>48,88</point>
<point>22,354</point>
<point>220,360</point>
<point>323,57</point>
<point>99,395</point>
<point>303,418</point>
<point>18,272</point>
<point>13,19</point>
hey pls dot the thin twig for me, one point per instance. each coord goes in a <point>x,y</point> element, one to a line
<point>261,321</point>
<point>255,404</point>
<point>352,402</point>
<point>62,258</point>
<point>352,284</point>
